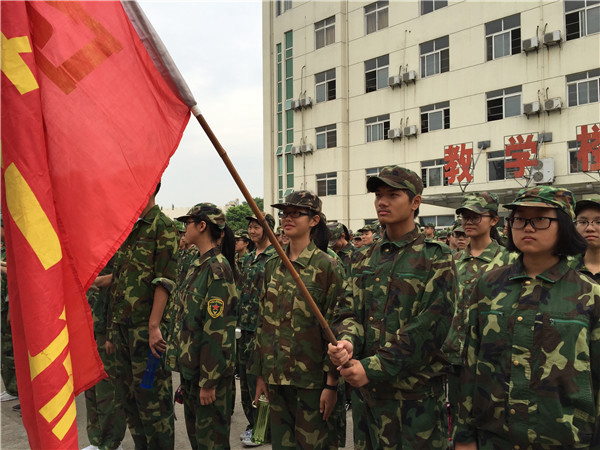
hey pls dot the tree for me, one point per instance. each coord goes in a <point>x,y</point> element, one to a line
<point>236,215</point>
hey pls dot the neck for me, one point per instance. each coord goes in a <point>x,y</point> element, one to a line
<point>149,205</point>
<point>479,243</point>
<point>262,245</point>
<point>536,264</point>
<point>395,231</point>
<point>297,246</point>
<point>205,245</point>
<point>592,259</point>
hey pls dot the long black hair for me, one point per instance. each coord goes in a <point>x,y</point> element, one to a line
<point>320,232</point>
<point>493,231</point>
<point>225,237</point>
<point>570,242</point>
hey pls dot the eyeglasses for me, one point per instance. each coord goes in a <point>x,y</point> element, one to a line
<point>585,223</point>
<point>459,235</point>
<point>188,222</point>
<point>537,223</point>
<point>292,214</point>
<point>357,238</point>
<point>473,219</point>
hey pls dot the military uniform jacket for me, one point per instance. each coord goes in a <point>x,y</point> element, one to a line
<point>397,312</point>
<point>346,255</point>
<point>203,340</point>
<point>291,348</point>
<point>469,269</point>
<point>533,359</point>
<point>148,257</point>
<point>577,263</point>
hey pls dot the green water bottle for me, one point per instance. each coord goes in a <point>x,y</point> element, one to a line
<point>259,433</point>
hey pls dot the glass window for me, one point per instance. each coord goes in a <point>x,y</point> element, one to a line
<point>438,221</point>
<point>325,86</point>
<point>583,87</point>
<point>376,16</point>
<point>326,184</point>
<point>435,57</point>
<point>377,127</point>
<point>496,167</point>
<point>575,164</point>
<point>376,73</point>
<point>326,136</point>
<point>432,173</point>
<point>428,6</point>
<point>503,37</point>
<point>435,117</point>
<point>325,32</point>
<point>582,18</point>
<point>503,103</point>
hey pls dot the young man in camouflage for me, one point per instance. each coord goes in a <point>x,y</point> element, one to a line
<point>587,222</point>
<point>338,241</point>
<point>143,276</point>
<point>393,322</point>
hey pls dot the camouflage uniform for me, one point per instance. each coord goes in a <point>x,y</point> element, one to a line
<point>9,377</point>
<point>347,252</point>
<point>397,312</point>
<point>105,423</point>
<point>291,350</point>
<point>577,262</point>
<point>147,258</point>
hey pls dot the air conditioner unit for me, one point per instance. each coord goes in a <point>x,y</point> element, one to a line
<point>410,130</point>
<point>531,108</point>
<point>394,81</point>
<point>531,44</point>
<point>306,148</point>
<point>293,104</point>
<point>394,133</point>
<point>552,104</point>
<point>296,149</point>
<point>543,172</point>
<point>306,102</point>
<point>552,38</point>
<point>409,76</point>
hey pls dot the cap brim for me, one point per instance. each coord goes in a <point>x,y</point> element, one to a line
<point>515,205</point>
<point>582,204</point>
<point>249,218</point>
<point>285,205</point>
<point>374,182</point>
<point>474,209</point>
<point>183,218</point>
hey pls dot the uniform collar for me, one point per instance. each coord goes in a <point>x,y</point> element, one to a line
<point>487,255</point>
<point>150,215</point>
<point>405,240</point>
<point>552,275</point>
<point>203,258</point>
<point>304,257</point>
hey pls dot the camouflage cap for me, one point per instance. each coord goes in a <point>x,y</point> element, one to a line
<point>242,234</point>
<point>301,199</point>
<point>545,197</point>
<point>208,211</point>
<point>336,230</point>
<point>370,227</point>
<point>396,177</point>
<point>479,202</point>
<point>268,217</point>
<point>429,224</point>
<point>180,226</point>
<point>592,201</point>
<point>457,226</point>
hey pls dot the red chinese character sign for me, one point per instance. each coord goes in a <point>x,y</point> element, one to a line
<point>521,152</point>
<point>457,159</point>
<point>588,138</point>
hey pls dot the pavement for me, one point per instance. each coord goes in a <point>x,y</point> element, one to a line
<point>14,437</point>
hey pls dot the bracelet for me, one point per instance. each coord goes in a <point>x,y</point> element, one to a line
<point>330,387</point>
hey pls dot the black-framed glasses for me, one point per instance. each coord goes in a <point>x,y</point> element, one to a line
<point>292,214</point>
<point>585,223</point>
<point>538,223</point>
<point>458,235</point>
<point>188,222</point>
<point>474,219</point>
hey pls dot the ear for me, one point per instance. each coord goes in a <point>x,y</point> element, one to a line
<point>314,220</point>
<point>201,226</point>
<point>416,202</point>
<point>494,221</point>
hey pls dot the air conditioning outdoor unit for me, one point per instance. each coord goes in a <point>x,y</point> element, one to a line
<point>306,102</point>
<point>553,104</point>
<point>394,81</point>
<point>307,148</point>
<point>394,133</point>
<point>293,104</point>
<point>296,149</point>
<point>543,172</point>
<point>409,76</point>
<point>410,130</point>
<point>552,38</point>
<point>531,44</point>
<point>531,108</point>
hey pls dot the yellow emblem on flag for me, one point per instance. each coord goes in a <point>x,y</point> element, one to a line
<point>215,307</point>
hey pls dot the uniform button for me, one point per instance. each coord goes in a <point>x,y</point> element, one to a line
<point>516,363</point>
<point>527,283</point>
<point>376,279</point>
<point>468,282</point>
<point>371,319</point>
<point>517,447</point>
<point>512,411</point>
<point>373,389</point>
<point>387,250</point>
<point>520,318</point>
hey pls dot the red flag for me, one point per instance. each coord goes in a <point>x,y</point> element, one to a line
<point>88,127</point>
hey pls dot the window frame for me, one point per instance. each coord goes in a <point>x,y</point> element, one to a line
<point>380,10</point>
<point>591,78</point>
<point>572,150</point>
<point>441,56</point>
<point>514,33</point>
<point>381,64</point>
<point>433,164</point>
<point>325,27</point>
<point>328,84</point>
<point>582,22</point>
<point>504,94</point>
<point>436,4</point>
<point>382,121</point>
<point>324,180</point>
<point>327,131</point>
<point>426,111</point>
<point>499,155</point>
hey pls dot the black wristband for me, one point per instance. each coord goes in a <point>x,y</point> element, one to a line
<point>330,387</point>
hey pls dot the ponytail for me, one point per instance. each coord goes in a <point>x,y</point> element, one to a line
<point>320,234</point>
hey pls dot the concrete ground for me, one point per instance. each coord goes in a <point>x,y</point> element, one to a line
<point>13,436</point>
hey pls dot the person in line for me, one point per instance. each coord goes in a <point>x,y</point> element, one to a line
<point>532,374</point>
<point>290,359</point>
<point>392,324</point>
<point>338,241</point>
<point>587,222</point>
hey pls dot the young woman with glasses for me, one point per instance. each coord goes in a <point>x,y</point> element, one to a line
<point>290,359</point>
<point>532,375</point>
<point>587,222</point>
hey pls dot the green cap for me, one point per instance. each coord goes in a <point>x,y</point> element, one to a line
<point>592,201</point>
<point>243,234</point>
<point>279,230</point>
<point>336,230</point>
<point>206,211</point>
<point>479,202</point>
<point>301,199</point>
<point>180,226</point>
<point>545,197</point>
<point>371,227</point>
<point>429,224</point>
<point>396,177</point>
<point>457,226</point>
<point>268,217</point>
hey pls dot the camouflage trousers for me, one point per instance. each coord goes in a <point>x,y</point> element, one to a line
<point>392,424</point>
<point>7,362</point>
<point>105,424</point>
<point>296,421</point>
<point>247,380</point>
<point>491,441</point>
<point>149,412</point>
<point>208,426</point>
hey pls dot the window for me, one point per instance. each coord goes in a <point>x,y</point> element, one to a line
<point>376,16</point>
<point>503,103</point>
<point>503,37</point>
<point>438,221</point>
<point>575,165</point>
<point>435,117</point>
<point>428,6</point>
<point>326,136</point>
<point>376,73</point>
<point>496,168</point>
<point>432,173</point>
<point>373,171</point>
<point>327,184</point>
<point>325,32</point>
<point>279,100</point>
<point>582,18</point>
<point>289,86</point>
<point>582,88</point>
<point>377,127</point>
<point>435,57</point>
<point>285,173</point>
<point>325,86</point>
<point>287,4</point>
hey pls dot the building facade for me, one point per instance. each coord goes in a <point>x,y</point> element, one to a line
<point>472,95</point>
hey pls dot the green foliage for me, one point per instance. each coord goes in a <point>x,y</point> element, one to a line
<point>236,215</point>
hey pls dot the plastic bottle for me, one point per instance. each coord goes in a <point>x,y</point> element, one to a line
<point>151,367</point>
<point>259,433</point>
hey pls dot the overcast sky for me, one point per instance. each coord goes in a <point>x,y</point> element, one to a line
<point>217,47</point>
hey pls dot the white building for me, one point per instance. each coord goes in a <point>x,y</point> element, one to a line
<point>352,86</point>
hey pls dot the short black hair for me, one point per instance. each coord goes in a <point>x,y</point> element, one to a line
<point>570,242</point>
<point>346,232</point>
<point>157,189</point>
